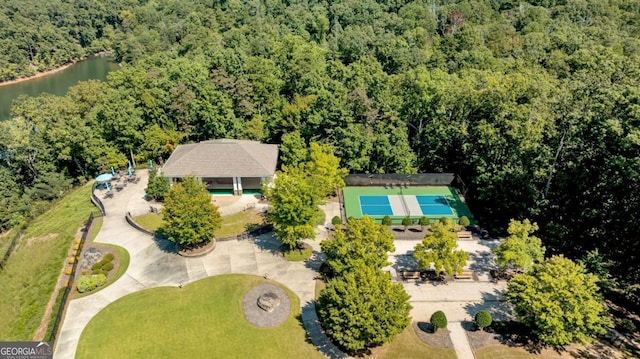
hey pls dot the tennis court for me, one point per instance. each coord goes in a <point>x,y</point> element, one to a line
<point>398,203</point>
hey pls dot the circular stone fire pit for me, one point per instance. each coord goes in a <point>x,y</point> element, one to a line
<point>266,305</point>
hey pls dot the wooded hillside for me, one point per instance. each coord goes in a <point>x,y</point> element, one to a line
<point>536,104</point>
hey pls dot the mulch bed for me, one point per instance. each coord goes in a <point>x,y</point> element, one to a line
<point>197,251</point>
<point>440,339</point>
<point>411,232</point>
<point>259,317</point>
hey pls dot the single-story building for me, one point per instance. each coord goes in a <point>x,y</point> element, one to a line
<point>224,165</point>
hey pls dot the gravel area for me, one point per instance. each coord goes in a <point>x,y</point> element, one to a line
<point>259,317</point>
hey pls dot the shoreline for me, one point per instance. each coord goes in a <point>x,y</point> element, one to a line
<point>53,71</point>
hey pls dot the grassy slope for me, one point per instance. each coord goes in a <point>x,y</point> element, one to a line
<point>150,221</point>
<point>202,320</point>
<point>31,272</point>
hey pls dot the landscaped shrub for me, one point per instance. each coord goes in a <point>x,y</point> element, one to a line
<point>386,221</point>
<point>423,222</point>
<point>336,221</point>
<point>406,222</point>
<point>72,260</point>
<point>76,246</point>
<point>483,319</point>
<point>68,270</point>
<point>87,283</point>
<point>107,267</point>
<point>438,320</point>
<point>464,221</point>
<point>96,266</point>
<point>108,257</point>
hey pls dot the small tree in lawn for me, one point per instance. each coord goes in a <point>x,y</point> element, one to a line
<point>483,319</point>
<point>406,222</point>
<point>336,221</point>
<point>363,308</point>
<point>464,221</point>
<point>438,249</point>
<point>559,301</point>
<point>189,216</point>
<point>438,320</point>
<point>423,222</point>
<point>386,221</point>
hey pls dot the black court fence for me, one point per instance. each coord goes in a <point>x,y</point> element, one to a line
<point>12,244</point>
<point>54,326</point>
<point>403,180</point>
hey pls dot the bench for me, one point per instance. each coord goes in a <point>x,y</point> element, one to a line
<point>465,236</point>
<point>464,275</point>
<point>406,275</point>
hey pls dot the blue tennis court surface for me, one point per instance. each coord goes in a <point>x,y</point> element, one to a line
<point>434,205</point>
<point>403,205</point>
<point>375,206</point>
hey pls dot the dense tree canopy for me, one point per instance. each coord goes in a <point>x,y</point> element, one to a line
<point>363,308</point>
<point>533,103</point>
<point>559,301</point>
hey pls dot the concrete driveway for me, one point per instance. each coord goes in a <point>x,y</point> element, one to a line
<point>154,264</point>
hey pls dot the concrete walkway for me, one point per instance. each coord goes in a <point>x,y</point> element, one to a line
<point>460,341</point>
<point>153,263</point>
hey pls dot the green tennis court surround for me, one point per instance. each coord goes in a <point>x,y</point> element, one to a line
<point>399,202</point>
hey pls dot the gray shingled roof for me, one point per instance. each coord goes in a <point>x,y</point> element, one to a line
<point>223,158</point>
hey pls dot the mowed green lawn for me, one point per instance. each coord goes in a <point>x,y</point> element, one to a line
<point>29,276</point>
<point>231,225</point>
<point>201,320</point>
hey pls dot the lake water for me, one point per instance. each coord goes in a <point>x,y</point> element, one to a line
<point>94,68</point>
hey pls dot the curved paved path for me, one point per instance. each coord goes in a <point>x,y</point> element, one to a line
<point>153,264</point>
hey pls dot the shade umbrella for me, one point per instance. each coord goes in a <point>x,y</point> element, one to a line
<point>105,178</point>
<point>150,164</point>
<point>113,172</point>
<point>129,168</point>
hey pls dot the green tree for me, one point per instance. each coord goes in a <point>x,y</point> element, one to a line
<point>559,301</point>
<point>464,221</point>
<point>595,263</point>
<point>386,221</point>
<point>406,222</point>
<point>521,249</point>
<point>362,242</point>
<point>157,186</point>
<point>324,169</point>
<point>336,221</point>
<point>483,319</point>
<point>363,308</point>
<point>438,320</point>
<point>294,149</point>
<point>423,222</point>
<point>438,249</point>
<point>294,206</point>
<point>189,216</point>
